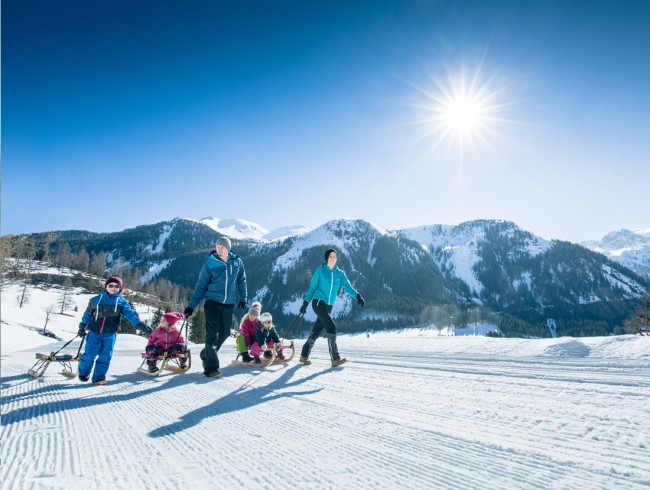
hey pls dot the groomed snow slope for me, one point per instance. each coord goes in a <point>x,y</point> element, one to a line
<point>408,411</point>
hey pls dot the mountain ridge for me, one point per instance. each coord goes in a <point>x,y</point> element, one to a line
<point>475,268</point>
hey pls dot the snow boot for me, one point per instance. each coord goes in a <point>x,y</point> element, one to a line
<point>338,362</point>
<point>268,354</point>
<point>279,355</point>
<point>257,360</point>
<point>100,382</point>
<point>152,368</point>
<point>245,357</point>
<point>214,373</point>
<point>305,361</point>
<point>84,378</point>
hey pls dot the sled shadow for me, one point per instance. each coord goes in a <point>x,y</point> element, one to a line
<point>239,400</point>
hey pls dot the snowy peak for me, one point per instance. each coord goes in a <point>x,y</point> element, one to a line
<point>239,229</point>
<point>471,233</point>
<point>630,248</point>
<point>286,232</point>
<point>343,234</point>
<point>458,249</point>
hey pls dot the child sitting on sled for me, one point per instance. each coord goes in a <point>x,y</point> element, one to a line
<point>166,338</point>
<point>265,334</point>
<point>248,330</point>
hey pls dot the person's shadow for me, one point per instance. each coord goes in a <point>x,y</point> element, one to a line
<point>238,400</point>
<point>40,409</point>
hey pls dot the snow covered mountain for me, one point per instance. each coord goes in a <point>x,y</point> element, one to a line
<point>242,229</point>
<point>457,249</point>
<point>628,247</point>
<point>476,268</point>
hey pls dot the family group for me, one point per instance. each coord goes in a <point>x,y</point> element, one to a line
<point>222,286</point>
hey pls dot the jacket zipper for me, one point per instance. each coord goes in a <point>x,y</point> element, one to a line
<point>329,298</point>
<point>225,291</point>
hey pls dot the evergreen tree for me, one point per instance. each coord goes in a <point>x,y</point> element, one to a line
<point>639,320</point>
<point>197,327</point>
<point>156,317</point>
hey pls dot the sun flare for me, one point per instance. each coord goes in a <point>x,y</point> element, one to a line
<point>463,112</point>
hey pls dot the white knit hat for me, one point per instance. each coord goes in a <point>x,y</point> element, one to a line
<point>266,317</point>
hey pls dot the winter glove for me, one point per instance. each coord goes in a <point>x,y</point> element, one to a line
<point>143,327</point>
<point>82,330</point>
<point>188,311</point>
<point>241,306</point>
<point>360,300</point>
<point>303,308</point>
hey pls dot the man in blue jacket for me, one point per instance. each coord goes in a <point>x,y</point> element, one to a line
<point>325,285</point>
<point>222,281</point>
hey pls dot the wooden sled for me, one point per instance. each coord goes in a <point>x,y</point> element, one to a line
<point>43,361</point>
<point>171,363</point>
<point>289,352</point>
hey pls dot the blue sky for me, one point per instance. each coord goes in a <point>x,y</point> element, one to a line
<point>122,113</point>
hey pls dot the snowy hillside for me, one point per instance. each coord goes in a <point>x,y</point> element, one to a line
<point>457,247</point>
<point>630,248</point>
<point>410,410</point>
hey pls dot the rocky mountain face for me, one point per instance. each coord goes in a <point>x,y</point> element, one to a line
<point>483,270</point>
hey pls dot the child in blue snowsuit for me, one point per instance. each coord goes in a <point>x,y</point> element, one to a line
<point>102,320</point>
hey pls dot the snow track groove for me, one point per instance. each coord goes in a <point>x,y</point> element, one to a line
<point>385,420</point>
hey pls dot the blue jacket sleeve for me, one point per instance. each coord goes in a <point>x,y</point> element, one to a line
<point>313,286</point>
<point>241,283</point>
<point>129,313</point>
<point>347,287</point>
<point>200,288</point>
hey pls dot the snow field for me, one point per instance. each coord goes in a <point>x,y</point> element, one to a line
<point>391,418</point>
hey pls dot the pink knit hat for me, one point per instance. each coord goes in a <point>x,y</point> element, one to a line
<point>173,317</point>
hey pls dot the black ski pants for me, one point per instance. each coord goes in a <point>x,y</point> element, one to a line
<point>323,321</point>
<point>218,319</point>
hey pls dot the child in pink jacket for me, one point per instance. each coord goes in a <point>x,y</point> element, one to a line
<point>165,338</point>
<point>248,330</point>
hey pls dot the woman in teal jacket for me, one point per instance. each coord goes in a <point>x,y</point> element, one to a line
<point>325,285</point>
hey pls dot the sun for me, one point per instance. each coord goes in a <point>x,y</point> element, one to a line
<point>464,114</point>
<point>463,111</point>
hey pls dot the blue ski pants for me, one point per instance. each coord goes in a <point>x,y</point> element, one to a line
<point>99,346</point>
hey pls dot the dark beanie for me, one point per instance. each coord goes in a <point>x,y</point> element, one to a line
<point>328,252</point>
<point>116,280</point>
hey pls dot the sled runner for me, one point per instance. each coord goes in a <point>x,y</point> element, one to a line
<point>288,352</point>
<point>178,362</point>
<point>170,362</point>
<point>43,361</point>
